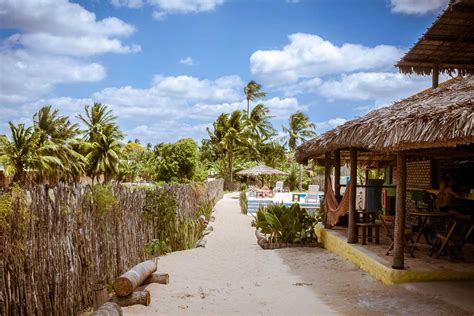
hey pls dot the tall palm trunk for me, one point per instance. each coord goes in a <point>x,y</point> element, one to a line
<point>248,108</point>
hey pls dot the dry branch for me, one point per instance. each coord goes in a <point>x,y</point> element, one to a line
<point>161,278</point>
<point>138,297</point>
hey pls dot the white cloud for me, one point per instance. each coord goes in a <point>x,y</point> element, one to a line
<point>167,131</point>
<point>133,4</point>
<point>187,61</point>
<point>171,96</point>
<point>61,27</point>
<point>27,76</point>
<point>417,6</point>
<point>185,6</point>
<point>383,87</point>
<point>309,56</point>
<point>321,127</point>
<point>163,8</point>
<point>51,40</point>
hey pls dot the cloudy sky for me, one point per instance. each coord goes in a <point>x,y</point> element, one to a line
<point>169,67</point>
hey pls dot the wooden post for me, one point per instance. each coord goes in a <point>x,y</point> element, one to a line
<point>366,199</point>
<point>352,232</point>
<point>337,174</point>
<point>399,231</point>
<point>327,175</point>
<point>435,76</point>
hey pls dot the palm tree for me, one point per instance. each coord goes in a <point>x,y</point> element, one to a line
<point>258,123</point>
<point>61,135</point>
<point>227,139</point>
<point>298,131</point>
<point>252,92</point>
<point>23,154</point>
<point>99,120</point>
<point>103,138</point>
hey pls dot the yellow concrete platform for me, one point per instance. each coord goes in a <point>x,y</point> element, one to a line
<point>380,268</point>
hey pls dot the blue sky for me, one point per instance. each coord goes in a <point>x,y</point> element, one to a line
<point>169,67</point>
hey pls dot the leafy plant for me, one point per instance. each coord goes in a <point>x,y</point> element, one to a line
<point>286,224</point>
<point>102,198</point>
<point>205,208</point>
<point>160,208</point>
<point>157,247</point>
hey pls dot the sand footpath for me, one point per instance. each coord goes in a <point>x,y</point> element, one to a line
<point>234,276</point>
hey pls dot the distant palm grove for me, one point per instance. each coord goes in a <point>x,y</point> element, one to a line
<point>55,149</point>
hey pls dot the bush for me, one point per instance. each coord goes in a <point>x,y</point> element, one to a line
<point>286,224</point>
<point>102,198</point>
<point>179,162</point>
<point>157,247</point>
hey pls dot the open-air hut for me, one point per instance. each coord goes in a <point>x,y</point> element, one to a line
<point>434,124</point>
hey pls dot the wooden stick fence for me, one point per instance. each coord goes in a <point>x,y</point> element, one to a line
<point>56,249</point>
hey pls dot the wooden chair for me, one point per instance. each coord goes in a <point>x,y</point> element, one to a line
<point>409,242</point>
<point>453,239</point>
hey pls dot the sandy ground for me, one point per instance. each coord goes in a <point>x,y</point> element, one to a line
<point>233,275</point>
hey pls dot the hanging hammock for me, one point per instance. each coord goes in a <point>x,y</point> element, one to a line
<point>334,210</point>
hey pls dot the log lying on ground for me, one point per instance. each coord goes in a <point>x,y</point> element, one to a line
<point>130,280</point>
<point>161,278</point>
<point>138,297</point>
<point>108,309</point>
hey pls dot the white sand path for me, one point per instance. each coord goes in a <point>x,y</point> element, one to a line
<point>233,275</point>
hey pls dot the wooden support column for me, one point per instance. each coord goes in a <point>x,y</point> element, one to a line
<point>352,230</point>
<point>327,175</point>
<point>399,231</point>
<point>435,76</point>
<point>337,174</point>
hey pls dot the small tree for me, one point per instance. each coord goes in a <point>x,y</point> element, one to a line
<point>178,161</point>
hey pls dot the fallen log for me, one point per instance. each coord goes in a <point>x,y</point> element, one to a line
<point>108,309</point>
<point>138,297</point>
<point>130,280</point>
<point>161,278</point>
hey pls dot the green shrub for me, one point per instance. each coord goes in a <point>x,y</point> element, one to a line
<point>102,198</point>
<point>157,247</point>
<point>286,224</point>
<point>205,208</point>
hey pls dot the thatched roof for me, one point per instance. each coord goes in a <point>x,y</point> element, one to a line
<point>448,43</point>
<point>260,170</point>
<point>441,117</point>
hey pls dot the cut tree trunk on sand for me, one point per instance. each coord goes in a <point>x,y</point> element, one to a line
<point>130,280</point>
<point>108,309</point>
<point>161,278</point>
<point>138,297</point>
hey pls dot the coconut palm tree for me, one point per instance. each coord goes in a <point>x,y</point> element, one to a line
<point>99,120</point>
<point>57,131</point>
<point>228,139</point>
<point>24,154</point>
<point>299,130</point>
<point>252,92</point>
<point>258,123</point>
<point>103,136</point>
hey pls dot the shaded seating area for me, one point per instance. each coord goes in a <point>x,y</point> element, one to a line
<point>420,142</point>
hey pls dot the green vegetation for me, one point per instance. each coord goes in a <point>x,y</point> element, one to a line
<point>173,231</point>
<point>179,162</point>
<point>102,198</point>
<point>286,224</point>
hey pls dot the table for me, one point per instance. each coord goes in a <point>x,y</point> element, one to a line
<point>367,232</point>
<point>422,223</point>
